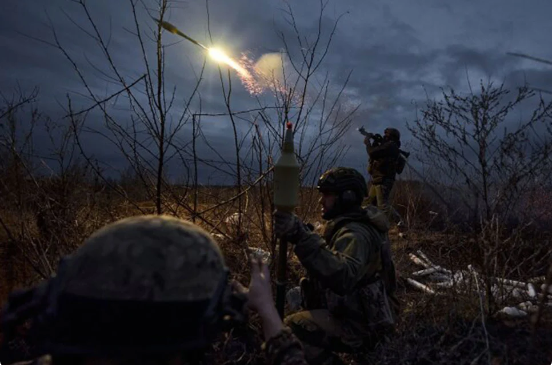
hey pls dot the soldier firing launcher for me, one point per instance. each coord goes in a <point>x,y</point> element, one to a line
<point>378,138</point>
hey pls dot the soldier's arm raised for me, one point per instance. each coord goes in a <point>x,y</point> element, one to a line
<point>386,149</point>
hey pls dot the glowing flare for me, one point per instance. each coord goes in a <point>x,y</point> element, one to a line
<point>220,56</point>
<point>246,71</point>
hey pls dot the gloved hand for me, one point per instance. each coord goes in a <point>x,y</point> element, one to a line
<point>367,141</point>
<point>288,226</point>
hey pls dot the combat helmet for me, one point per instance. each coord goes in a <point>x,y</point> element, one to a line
<point>142,285</point>
<point>393,133</point>
<point>348,184</point>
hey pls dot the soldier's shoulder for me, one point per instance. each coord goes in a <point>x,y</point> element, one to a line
<point>371,220</point>
<point>363,231</point>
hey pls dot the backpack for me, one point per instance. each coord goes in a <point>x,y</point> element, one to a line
<point>400,164</point>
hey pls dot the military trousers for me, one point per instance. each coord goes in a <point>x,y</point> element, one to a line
<point>379,195</point>
<point>322,336</point>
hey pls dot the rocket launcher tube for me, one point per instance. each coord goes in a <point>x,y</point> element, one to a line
<point>286,198</point>
<point>286,175</point>
<point>288,139</point>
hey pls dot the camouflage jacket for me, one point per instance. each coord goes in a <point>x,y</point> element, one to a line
<point>351,270</point>
<point>284,349</point>
<point>383,161</point>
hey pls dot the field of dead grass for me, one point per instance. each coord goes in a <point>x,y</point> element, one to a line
<point>434,329</point>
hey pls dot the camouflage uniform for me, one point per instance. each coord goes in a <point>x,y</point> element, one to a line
<point>379,196</point>
<point>284,349</point>
<point>350,305</point>
<point>382,169</point>
<point>145,287</point>
<point>349,294</point>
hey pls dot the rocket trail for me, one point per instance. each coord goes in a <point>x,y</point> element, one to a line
<point>171,28</point>
<point>218,55</point>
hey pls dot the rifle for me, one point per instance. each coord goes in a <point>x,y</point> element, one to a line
<point>378,138</point>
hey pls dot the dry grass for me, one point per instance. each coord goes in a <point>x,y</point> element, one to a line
<point>433,329</point>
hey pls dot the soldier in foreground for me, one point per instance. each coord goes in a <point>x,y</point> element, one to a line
<point>348,296</point>
<point>384,155</point>
<point>145,290</point>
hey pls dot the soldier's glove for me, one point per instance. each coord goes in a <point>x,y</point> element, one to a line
<point>367,141</point>
<point>288,226</point>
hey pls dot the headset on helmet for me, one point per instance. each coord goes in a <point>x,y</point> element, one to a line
<point>347,182</point>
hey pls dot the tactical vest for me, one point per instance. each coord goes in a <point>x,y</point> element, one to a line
<point>378,311</point>
<point>385,268</point>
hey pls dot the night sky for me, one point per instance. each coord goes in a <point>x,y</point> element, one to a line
<point>400,52</point>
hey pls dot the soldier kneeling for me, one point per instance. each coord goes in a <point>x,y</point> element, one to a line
<point>349,294</point>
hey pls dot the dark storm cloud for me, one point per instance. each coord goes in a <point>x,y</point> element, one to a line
<point>30,61</point>
<point>392,76</point>
<point>400,52</point>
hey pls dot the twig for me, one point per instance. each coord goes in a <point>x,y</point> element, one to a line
<point>238,195</point>
<point>107,99</point>
<point>482,310</point>
<point>541,60</point>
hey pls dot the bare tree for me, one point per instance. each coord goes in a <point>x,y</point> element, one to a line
<point>148,141</point>
<point>473,141</point>
<point>314,105</point>
<point>48,207</point>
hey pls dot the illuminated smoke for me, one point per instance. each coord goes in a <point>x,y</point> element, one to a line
<point>267,73</point>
